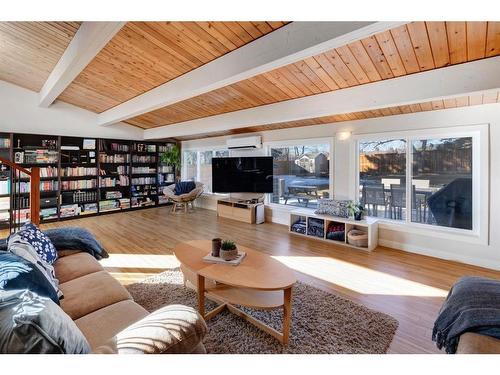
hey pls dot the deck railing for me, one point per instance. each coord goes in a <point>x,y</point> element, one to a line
<point>18,176</point>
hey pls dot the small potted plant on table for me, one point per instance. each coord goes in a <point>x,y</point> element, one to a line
<point>228,250</point>
<point>356,210</point>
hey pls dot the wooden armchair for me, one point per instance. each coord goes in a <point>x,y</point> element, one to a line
<point>183,200</point>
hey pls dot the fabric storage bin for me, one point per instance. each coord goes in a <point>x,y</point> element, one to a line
<point>357,238</point>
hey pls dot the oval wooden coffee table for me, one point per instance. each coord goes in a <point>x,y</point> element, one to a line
<point>258,282</point>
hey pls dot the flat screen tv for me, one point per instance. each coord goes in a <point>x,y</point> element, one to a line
<point>242,174</point>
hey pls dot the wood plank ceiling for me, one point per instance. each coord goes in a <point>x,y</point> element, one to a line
<point>412,48</point>
<point>144,55</point>
<point>30,50</point>
<point>463,101</point>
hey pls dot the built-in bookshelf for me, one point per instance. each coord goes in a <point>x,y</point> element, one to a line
<point>82,176</point>
<point>78,177</point>
<point>33,150</point>
<point>5,181</point>
<point>114,175</point>
<point>144,181</point>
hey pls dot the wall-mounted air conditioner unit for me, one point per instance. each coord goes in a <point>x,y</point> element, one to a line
<point>244,143</point>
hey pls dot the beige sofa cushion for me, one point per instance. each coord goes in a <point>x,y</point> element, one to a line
<point>90,293</point>
<point>172,329</point>
<point>101,325</point>
<point>76,265</point>
<point>474,343</point>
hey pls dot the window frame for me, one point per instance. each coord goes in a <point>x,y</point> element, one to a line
<point>480,180</point>
<point>199,150</point>
<point>294,142</point>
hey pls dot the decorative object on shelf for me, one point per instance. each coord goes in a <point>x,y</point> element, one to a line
<point>356,210</point>
<point>19,157</point>
<point>216,245</point>
<point>172,156</point>
<point>333,207</point>
<point>228,250</point>
<point>50,144</point>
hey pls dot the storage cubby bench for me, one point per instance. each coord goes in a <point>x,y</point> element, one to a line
<point>304,222</point>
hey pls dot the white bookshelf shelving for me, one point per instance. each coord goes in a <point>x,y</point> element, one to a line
<point>368,225</point>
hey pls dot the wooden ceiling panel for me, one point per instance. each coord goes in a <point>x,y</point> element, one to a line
<point>412,48</point>
<point>30,50</point>
<point>144,55</point>
<point>464,101</point>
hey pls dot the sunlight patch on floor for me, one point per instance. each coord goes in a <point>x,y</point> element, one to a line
<point>140,261</point>
<point>360,279</point>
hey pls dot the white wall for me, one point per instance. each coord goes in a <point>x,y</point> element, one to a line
<point>19,112</point>
<point>426,241</point>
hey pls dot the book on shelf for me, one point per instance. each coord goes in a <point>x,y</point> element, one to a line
<point>88,209</point>
<point>144,181</point>
<point>5,187</point>
<point>120,180</point>
<point>124,203</point>
<point>70,210</point>
<point>143,159</point>
<point>113,194</point>
<point>4,203</point>
<point>48,213</point>
<point>4,142</point>
<point>114,159</point>
<point>211,259</point>
<point>78,184</point>
<point>73,148</point>
<point>78,171</point>
<point>109,205</point>
<point>139,170</point>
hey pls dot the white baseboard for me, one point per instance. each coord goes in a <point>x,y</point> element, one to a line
<point>491,264</point>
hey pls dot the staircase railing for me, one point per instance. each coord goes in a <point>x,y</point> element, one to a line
<point>17,204</point>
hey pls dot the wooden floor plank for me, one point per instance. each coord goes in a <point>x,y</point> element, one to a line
<point>407,286</point>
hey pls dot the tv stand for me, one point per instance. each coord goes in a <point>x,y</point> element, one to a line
<point>246,210</point>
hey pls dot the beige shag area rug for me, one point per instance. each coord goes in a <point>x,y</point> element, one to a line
<point>322,323</point>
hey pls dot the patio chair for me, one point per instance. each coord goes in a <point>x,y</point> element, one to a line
<point>397,201</point>
<point>183,200</point>
<point>374,196</point>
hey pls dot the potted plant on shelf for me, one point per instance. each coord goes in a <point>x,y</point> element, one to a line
<point>356,210</point>
<point>172,157</point>
<point>228,250</point>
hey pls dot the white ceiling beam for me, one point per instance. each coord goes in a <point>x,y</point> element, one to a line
<point>291,43</point>
<point>453,81</point>
<point>90,38</point>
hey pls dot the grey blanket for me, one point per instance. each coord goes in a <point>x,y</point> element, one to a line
<point>472,305</point>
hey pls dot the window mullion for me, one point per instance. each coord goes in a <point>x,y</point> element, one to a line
<point>409,180</point>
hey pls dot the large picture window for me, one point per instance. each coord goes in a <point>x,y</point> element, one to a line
<point>197,165</point>
<point>440,169</point>
<point>301,174</point>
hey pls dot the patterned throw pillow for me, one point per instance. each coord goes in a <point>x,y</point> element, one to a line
<point>333,207</point>
<point>29,233</point>
<point>20,243</point>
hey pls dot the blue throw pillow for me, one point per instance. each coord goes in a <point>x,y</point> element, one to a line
<point>75,238</point>
<point>18,273</point>
<point>30,234</point>
<point>184,187</point>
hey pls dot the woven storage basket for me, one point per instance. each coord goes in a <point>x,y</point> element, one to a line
<point>358,238</point>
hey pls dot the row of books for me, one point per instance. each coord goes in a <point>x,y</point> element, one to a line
<point>38,156</point>
<point>164,179</point>
<point>164,148</point>
<point>117,158</point>
<point>144,180</point>
<point>48,213</point>
<point>4,142</point>
<point>80,197</point>
<point>78,184</point>
<point>114,181</point>
<point>116,204</point>
<point>24,187</point>
<point>120,169</point>
<point>143,159</point>
<point>142,202</point>
<point>143,147</point>
<point>139,170</point>
<point>5,187</point>
<point>165,169</point>
<point>113,194</point>
<point>119,147</point>
<point>78,171</point>
<point>75,209</point>
<point>44,172</point>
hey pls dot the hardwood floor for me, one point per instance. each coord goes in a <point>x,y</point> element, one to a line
<point>407,286</point>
